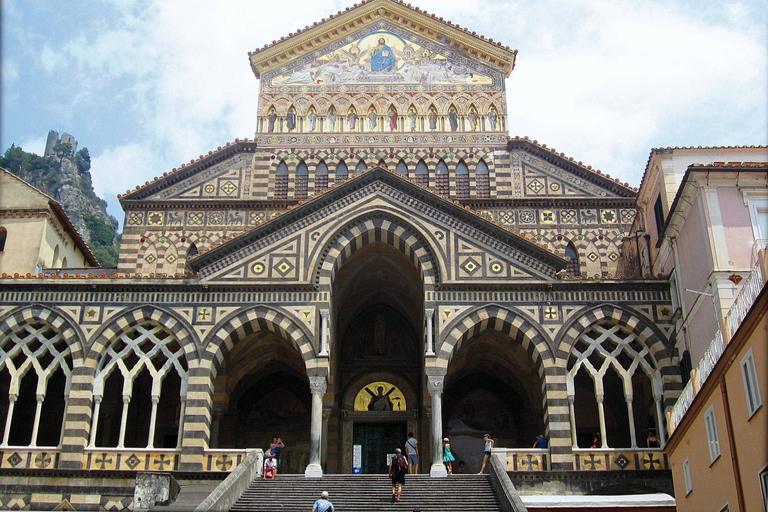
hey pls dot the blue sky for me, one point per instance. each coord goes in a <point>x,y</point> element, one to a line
<point>147,85</point>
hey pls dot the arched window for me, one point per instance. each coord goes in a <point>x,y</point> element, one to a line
<point>361,167</point>
<point>462,180</point>
<point>281,181</point>
<point>422,174</point>
<point>192,251</point>
<point>482,181</point>
<point>572,268</point>
<point>35,376</point>
<point>402,168</point>
<point>302,178</point>
<point>441,178</point>
<point>616,386</point>
<point>55,259</point>
<point>140,390</point>
<point>321,175</point>
<point>3,238</point>
<point>64,262</point>
<point>342,172</point>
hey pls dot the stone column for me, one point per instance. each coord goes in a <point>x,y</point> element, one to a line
<point>152,421</point>
<point>124,420</point>
<point>318,386</point>
<point>182,411</point>
<point>95,420</point>
<point>8,419</point>
<point>430,313</point>
<point>36,424</point>
<point>660,421</point>
<point>601,415</point>
<point>324,314</point>
<point>631,417</point>
<point>435,387</point>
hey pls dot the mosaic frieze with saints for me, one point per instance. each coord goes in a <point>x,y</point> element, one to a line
<point>379,334</point>
<point>383,54</point>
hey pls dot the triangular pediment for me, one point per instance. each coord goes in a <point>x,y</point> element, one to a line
<point>410,35</point>
<point>465,248</point>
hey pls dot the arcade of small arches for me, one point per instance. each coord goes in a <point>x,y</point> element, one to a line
<point>362,114</point>
<point>454,179</point>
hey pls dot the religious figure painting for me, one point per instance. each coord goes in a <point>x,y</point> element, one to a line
<point>380,396</point>
<point>382,57</point>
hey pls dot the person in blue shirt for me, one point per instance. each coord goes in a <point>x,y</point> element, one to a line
<point>323,505</point>
<point>541,442</point>
<point>382,58</point>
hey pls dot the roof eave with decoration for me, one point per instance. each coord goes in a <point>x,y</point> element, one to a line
<point>352,19</point>
<point>552,156</point>
<point>525,242</point>
<point>183,172</point>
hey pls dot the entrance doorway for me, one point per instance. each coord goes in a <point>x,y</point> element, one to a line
<point>376,441</point>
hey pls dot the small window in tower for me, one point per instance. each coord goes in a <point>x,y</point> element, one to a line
<point>360,167</point>
<point>483,180</point>
<point>572,268</point>
<point>441,178</point>
<point>302,178</point>
<point>402,169</point>
<point>422,174</point>
<point>3,238</point>
<point>281,181</point>
<point>658,213</point>
<point>192,251</point>
<point>342,172</point>
<point>321,176</point>
<point>462,180</point>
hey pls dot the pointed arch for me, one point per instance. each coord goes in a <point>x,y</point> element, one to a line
<point>341,172</point>
<point>321,175</point>
<point>572,268</point>
<point>402,168</point>
<point>360,167</point>
<point>482,180</point>
<point>281,181</point>
<point>422,174</point>
<point>192,251</point>
<point>301,181</point>
<point>441,178</point>
<point>462,180</point>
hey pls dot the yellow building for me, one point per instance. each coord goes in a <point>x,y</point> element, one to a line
<point>35,233</point>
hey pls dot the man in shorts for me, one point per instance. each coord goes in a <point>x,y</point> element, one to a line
<point>412,449</point>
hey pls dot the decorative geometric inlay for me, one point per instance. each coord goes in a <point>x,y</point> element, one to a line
<point>550,312</point>
<point>613,256</point>
<point>547,216</point>
<point>161,461</point>
<point>554,186</point>
<point>91,313</point>
<point>650,461</point>
<point>527,217</point>
<point>592,257</point>
<point>535,186</point>
<point>203,314</point>
<point>530,463</point>
<point>224,462</point>
<point>621,461</point>
<point>447,313</point>
<point>592,462</point>
<point>665,312</point>
<point>216,218</point>
<point>627,216</point>
<point>284,267</point>
<point>133,461</point>
<point>14,460</point>
<point>507,217</point>
<point>228,187</point>
<point>496,267</point>
<point>135,218</point>
<point>306,313</point>
<point>568,215</point>
<point>258,268</point>
<point>43,460</point>
<point>470,266</point>
<point>209,189</point>
<point>155,219</point>
<point>64,506</point>
<point>608,216</point>
<point>150,258</point>
<point>196,218</point>
<point>103,460</point>
<point>170,258</point>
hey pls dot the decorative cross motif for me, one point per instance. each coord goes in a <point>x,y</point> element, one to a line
<point>592,462</point>
<point>43,460</point>
<point>550,312</point>
<point>204,314</point>
<point>103,460</point>
<point>650,461</point>
<point>161,461</point>
<point>224,462</point>
<point>530,464</point>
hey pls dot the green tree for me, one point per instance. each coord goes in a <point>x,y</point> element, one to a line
<point>83,161</point>
<point>63,150</point>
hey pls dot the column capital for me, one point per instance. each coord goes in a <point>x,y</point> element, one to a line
<point>435,384</point>
<point>430,312</point>
<point>325,313</point>
<point>600,398</point>
<point>126,399</point>
<point>318,385</point>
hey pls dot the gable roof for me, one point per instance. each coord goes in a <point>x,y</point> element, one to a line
<point>396,12</point>
<point>60,214</point>
<point>519,241</point>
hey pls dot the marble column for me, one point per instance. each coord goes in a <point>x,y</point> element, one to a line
<point>182,412</point>
<point>124,420</point>
<point>660,421</point>
<point>601,415</point>
<point>152,421</point>
<point>95,420</point>
<point>572,411</point>
<point>324,314</point>
<point>318,386</point>
<point>9,418</point>
<point>435,387</point>
<point>631,417</point>
<point>430,313</point>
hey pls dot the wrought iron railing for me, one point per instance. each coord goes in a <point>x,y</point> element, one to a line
<point>745,299</point>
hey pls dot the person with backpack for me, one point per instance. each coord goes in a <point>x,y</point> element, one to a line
<point>412,449</point>
<point>398,467</point>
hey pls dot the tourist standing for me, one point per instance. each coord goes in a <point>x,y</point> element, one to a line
<point>398,466</point>
<point>412,449</point>
<point>323,505</point>
<point>541,442</point>
<point>487,455</point>
<point>448,457</point>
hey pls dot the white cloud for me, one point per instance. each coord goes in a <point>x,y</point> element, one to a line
<point>34,145</point>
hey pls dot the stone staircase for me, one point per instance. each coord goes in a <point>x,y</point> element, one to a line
<point>371,493</point>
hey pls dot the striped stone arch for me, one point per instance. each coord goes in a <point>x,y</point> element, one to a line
<point>14,320</point>
<point>247,321</point>
<point>377,227</point>
<point>124,320</point>
<point>505,320</point>
<point>644,331</point>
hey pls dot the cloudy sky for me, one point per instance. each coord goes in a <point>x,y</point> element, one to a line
<point>146,85</point>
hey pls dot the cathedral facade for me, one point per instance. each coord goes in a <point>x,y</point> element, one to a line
<point>381,258</point>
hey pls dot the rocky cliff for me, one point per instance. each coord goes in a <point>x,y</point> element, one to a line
<point>64,174</point>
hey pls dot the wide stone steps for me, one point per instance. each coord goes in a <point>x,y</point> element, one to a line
<point>371,493</point>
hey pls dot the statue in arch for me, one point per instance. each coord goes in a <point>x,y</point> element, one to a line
<point>453,119</point>
<point>271,119</point>
<point>351,119</point>
<point>290,119</point>
<point>472,119</point>
<point>412,117</point>
<point>432,116</point>
<point>331,117</point>
<point>312,118</point>
<point>392,115</point>
<point>372,120</point>
<point>492,118</point>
